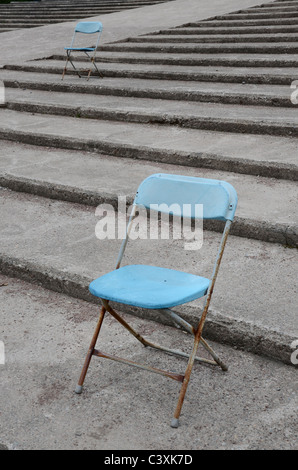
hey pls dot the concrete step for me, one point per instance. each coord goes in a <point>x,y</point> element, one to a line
<point>51,9</point>
<point>71,3</point>
<point>252,15</point>
<point>224,48</point>
<point>30,15</point>
<point>38,8</point>
<point>269,156</point>
<point>268,9</point>
<point>230,118</point>
<point>195,59</point>
<point>267,208</point>
<point>234,93</point>
<point>54,6</point>
<point>240,30</point>
<point>18,25</point>
<point>232,23</point>
<point>6,30</point>
<point>53,243</point>
<point>215,38</point>
<point>28,21</point>
<point>279,4</point>
<point>269,75</point>
<point>83,12</point>
<point>65,16</point>
<point>49,12</point>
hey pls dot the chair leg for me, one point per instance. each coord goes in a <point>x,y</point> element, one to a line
<point>175,420</point>
<point>65,68</point>
<point>96,68</point>
<point>89,73</point>
<point>197,339</point>
<point>114,314</point>
<point>75,69</point>
<point>214,355</point>
<point>79,387</point>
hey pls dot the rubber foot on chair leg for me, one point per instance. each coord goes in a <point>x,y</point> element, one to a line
<point>79,389</point>
<point>175,423</point>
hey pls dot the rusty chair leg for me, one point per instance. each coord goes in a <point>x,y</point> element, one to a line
<point>79,387</point>
<point>197,338</point>
<point>65,67</point>
<point>175,420</point>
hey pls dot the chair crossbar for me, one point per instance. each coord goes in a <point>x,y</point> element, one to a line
<point>171,375</point>
<point>175,352</point>
<point>180,322</point>
<point>140,338</point>
<point>109,309</point>
<point>146,343</point>
<point>177,320</point>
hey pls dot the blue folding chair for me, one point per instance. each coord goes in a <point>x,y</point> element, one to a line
<point>89,27</point>
<point>158,288</point>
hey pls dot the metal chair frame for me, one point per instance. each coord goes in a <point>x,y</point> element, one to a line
<point>84,28</point>
<point>196,332</point>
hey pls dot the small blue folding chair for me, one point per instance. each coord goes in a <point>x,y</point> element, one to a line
<point>160,289</point>
<point>93,27</point>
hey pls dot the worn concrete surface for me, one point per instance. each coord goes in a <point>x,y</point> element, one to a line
<point>46,336</point>
<point>250,154</point>
<point>15,15</point>
<point>140,109</point>
<point>55,243</point>
<point>267,208</point>
<point>278,75</point>
<point>263,199</point>
<point>266,92</point>
<point>141,141</point>
<point>35,42</point>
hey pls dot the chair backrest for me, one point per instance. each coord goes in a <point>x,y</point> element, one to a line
<point>88,27</point>
<point>179,195</point>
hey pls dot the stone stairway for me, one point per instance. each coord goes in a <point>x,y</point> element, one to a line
<point>209,98</point>
<point>32,14</point>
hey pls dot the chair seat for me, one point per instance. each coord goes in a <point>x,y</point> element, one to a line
<point>89,49</point>
<point>149,287</point>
